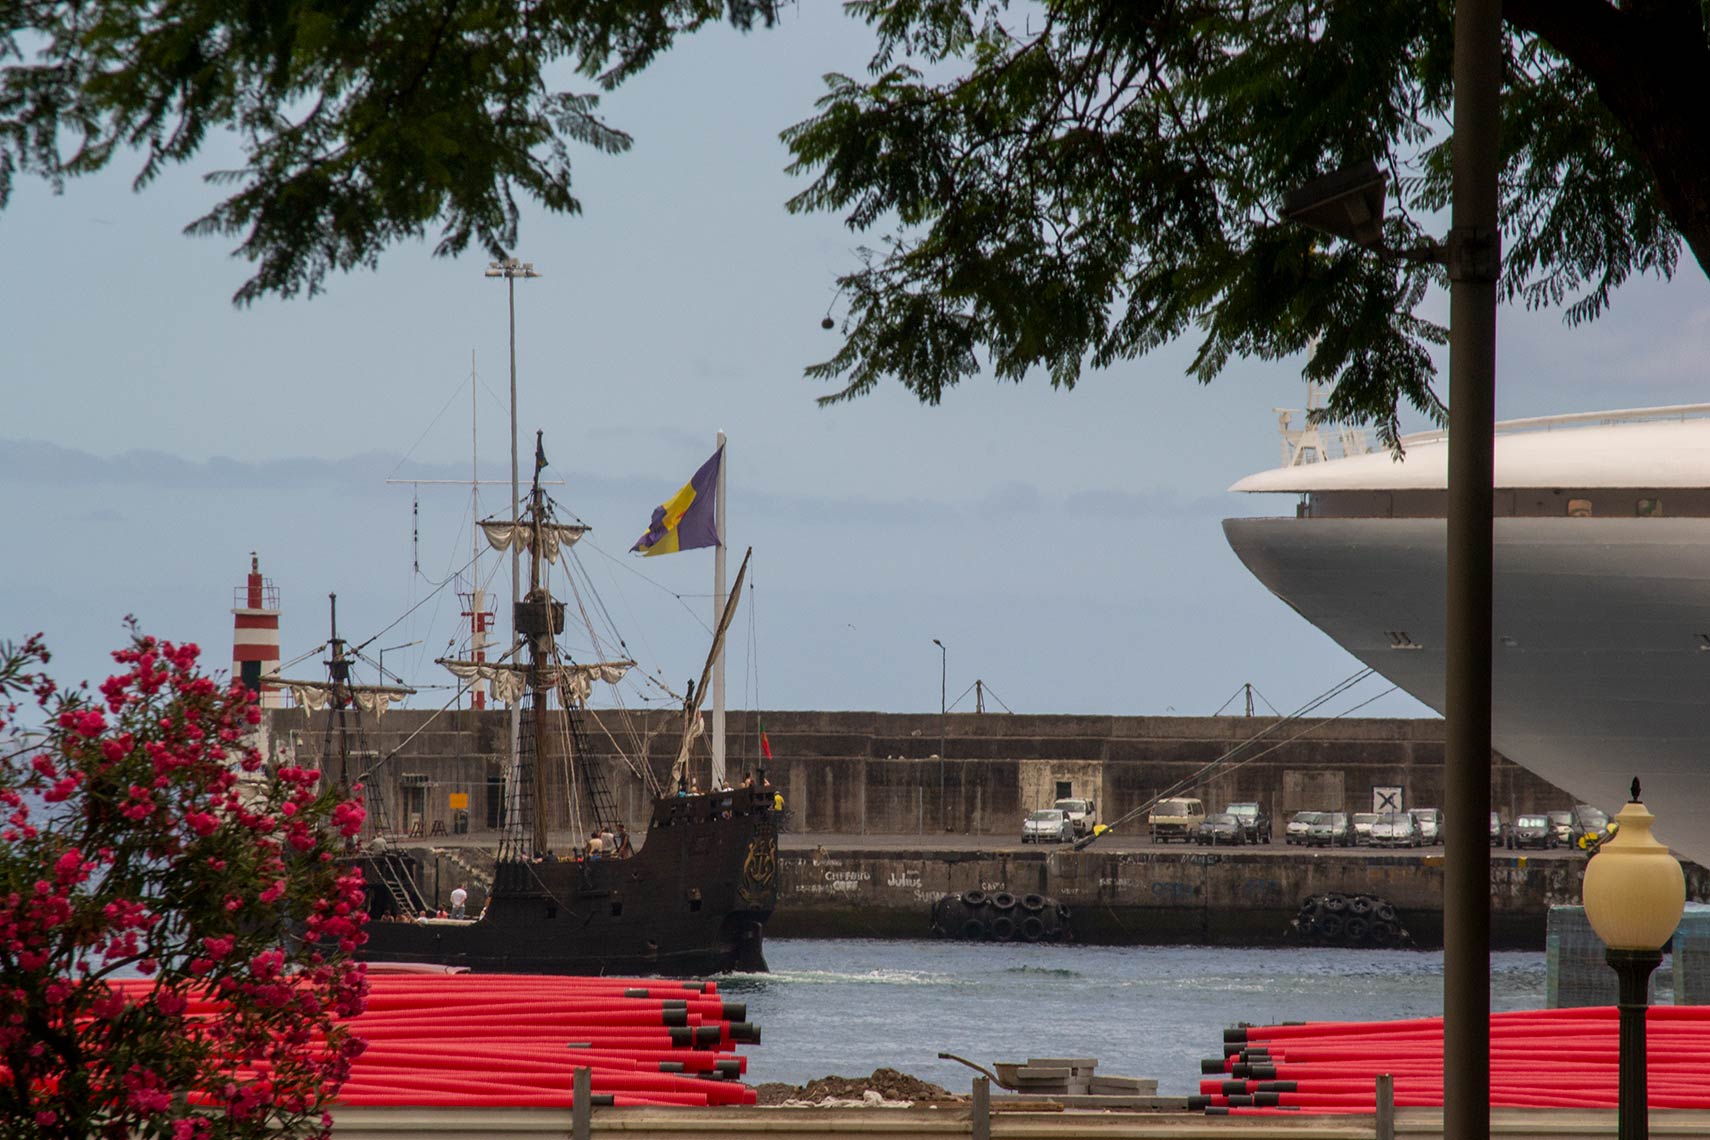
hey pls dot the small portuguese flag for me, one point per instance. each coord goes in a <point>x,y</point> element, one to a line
<point>765,745</point>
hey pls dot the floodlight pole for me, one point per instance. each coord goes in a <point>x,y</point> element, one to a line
<point>1474,259</point>
<point>511,269</point>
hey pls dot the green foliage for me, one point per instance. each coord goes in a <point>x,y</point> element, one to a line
<point>361,123</point>
<point>1077,182</point>
<point>1579,213</point>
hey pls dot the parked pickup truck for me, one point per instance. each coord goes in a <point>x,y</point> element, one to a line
<point>1176,818</point>
<point>1081,813</point>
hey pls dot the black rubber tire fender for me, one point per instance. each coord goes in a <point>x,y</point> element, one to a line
<point>1361,905</point>
<point>973,930</point>
<point>1330,927</point>
<point>1033,903</point>
<point>1335,903</point>
<point>1003,928</point>
<point>1032,928</point>
<point>1003,900</point>
<point>1384,912</point>
<point>1382,933</point>
<point>974,898</point>
<point>1355,929</point>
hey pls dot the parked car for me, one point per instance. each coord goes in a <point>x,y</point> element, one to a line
<point>1361,824</point>
<point>1532,831</point>
<point>1300,826</point>
<point>1395,829</point>
<point>1561,823</point>
<point>1498,829</point>
<point>1253,819</point>
<point>1224,827</point>
<point>1430,823</point>
<point>1591,826</point>
<point>1083,817</point>
<point>1331,831</point>
<point>1176,818</point>
<point>1047,826</point>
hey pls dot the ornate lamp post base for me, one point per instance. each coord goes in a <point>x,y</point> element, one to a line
<point>1633,969</point>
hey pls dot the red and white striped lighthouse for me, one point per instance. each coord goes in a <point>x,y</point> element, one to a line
<point>255,635</point>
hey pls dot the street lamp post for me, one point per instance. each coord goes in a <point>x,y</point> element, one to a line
<point>943,715</point>
<point>1634,893</point>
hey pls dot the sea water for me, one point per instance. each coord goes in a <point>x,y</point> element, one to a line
<point>849,1007</point>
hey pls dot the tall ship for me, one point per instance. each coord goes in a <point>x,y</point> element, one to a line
<point>1601,580</point>
<point>689,896</point>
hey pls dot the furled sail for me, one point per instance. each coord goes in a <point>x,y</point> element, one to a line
<point>312,696</point>
<point>502,534</point>
<point>510,682</point>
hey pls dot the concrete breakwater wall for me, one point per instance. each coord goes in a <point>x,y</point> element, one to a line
<point>1166,896</point>
<point>858,773</point>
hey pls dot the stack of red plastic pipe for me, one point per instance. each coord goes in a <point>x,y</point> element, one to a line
<point>503,1040</point>
<point>1549,1058</point>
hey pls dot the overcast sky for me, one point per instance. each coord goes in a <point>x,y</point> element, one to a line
<point>1065,547</point>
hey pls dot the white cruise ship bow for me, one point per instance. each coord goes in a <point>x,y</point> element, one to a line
<point>1601,658</point>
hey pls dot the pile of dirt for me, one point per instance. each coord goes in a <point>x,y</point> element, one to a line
<point>889,1084</point>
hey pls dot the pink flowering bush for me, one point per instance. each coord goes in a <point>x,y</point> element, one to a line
<point>176,932</point>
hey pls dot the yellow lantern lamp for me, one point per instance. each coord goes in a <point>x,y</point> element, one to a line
<point>1634,893</point>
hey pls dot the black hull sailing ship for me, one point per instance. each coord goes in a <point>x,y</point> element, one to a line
<point>693,899</point>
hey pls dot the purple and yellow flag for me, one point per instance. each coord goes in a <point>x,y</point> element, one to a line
<point>687,519</point>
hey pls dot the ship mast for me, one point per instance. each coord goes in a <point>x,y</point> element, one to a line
<point>542,622</point>
<point>338,672</point>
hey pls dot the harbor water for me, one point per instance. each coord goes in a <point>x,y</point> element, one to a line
<point>849,1007</point>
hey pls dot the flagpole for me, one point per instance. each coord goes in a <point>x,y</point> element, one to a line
<point>718,775</point>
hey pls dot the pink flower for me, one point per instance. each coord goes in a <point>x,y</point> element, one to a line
<point>70,868</point>
<point>108,1006</point>
<point>348,817</point>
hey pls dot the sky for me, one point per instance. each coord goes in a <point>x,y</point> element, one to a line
<point>1065,547</point>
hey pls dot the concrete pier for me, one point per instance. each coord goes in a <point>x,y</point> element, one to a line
<point>1123,890</point>
<point>1136,893</point>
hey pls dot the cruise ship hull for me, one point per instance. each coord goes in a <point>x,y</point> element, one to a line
<point>1601,659</point>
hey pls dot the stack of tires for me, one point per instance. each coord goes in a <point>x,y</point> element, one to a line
<point>999,916</point>
<point>1337,919</point>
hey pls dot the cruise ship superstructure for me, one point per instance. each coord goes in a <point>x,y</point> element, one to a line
<point>1601,651</point>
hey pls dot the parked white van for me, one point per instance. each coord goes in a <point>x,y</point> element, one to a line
<point>1176,818</point>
